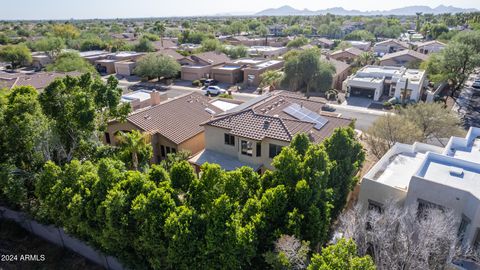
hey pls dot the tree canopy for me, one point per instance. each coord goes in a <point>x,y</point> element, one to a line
<point>423,122</point>
<point>157,66</point>
<point>16,55</point>
<point>308,73</point>
<point>455,62</point>
<point>71,61</point>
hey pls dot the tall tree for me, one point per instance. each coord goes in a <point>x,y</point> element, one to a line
<point>157,66</point>
<point>308,73</point>
<point>455,62</point>
<point>71,61</point>
<point>16,55</point>
<point>271,79</point>
<point>24,128</point>
<point>400,237</point>
<point>388,130</point>
<point>80,107</point>
<point>137,146</point>
<point>342,255</point>
<point>52,46</point>
<point>423,122</point>
<point>160,28</point>
<point>346,156</point>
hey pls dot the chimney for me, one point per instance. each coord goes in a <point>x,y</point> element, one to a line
<point>157,97</point>
<point>266,124</point>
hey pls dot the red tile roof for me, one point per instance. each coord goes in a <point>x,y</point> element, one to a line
<point>171,53</point>
<point>177,119</point>
<point>266,118</point>
<point>352,50</point>
<point>412,53</point>
<point>39,80</point>
<point>214,58</point>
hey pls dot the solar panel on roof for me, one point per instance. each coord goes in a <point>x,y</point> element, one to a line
<point>304,114</point>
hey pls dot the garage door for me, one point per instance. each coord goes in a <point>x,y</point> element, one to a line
<point>362,92</point>
<point>190,76</point>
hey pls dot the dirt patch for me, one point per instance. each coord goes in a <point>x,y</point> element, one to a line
<point>21,250</point>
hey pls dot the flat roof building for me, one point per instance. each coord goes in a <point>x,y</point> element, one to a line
<point>266,51</point>
<point>424,175</point>
<point>387,81</point>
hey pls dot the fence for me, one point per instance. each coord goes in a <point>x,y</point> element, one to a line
<point>58,237</point>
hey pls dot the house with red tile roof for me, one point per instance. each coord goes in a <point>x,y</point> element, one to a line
<point>402,58</point>
<point>39,80</point>
<point>200,65</point>
<point>173,124</point>
<point>347,55</point>
<point>253,133</point>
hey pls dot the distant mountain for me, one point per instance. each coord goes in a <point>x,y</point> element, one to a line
<point>410,10</point>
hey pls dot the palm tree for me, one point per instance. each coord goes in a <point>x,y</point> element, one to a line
<point>160,29</point>
<point>418,21</point>
<point>271,78</point>
<point>365,58</point>
<point>262,30</point>
<point>134,143</point>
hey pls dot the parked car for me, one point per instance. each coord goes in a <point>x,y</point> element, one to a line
<point>394,101</point>
<point>476,84</point>
<point>214,90</point>
<point>328,108</point>
<point>210,82</point>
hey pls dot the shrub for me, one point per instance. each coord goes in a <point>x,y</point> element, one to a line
<point>197,83</point>
<point>331,94</point>
<point>225,95</point>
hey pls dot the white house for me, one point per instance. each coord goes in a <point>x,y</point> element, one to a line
<point>425,176</point>
<point>377,81</point>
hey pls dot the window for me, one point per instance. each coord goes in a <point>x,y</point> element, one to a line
<point>373,205</point>
<point>424,207</point>
<point>107,137</point>
<point>162,150</point>
<point>229,139</point>
<point>259,149</point>
<point>168,150</point>
<point>174,150</point>
<point>463,227</point>
<point>246,148</point>
<point>274,150</point>
<point>476,241</point>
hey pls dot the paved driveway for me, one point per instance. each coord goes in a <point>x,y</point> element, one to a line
<point>358,102</point>
<point>471,115</point>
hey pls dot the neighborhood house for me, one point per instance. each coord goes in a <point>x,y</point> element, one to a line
<point>375,82</point>
<point>253,133</point>
<point>428,176</point>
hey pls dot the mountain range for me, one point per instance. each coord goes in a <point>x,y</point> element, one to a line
<point>410,10</point>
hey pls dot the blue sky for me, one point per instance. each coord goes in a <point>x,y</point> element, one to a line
<point>84,9</point>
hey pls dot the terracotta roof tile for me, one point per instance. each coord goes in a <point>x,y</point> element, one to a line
<point>412,53</point>
<point>352,50</point>
<point>213,58</point>
<point>251,125</point>
<point>178,119</point>
<point>171,53</point>
<point>251,122</point>
<point>39,80</point>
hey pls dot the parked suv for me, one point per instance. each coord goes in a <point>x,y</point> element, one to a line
<point>214,90</point>
<point>210,82</point>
